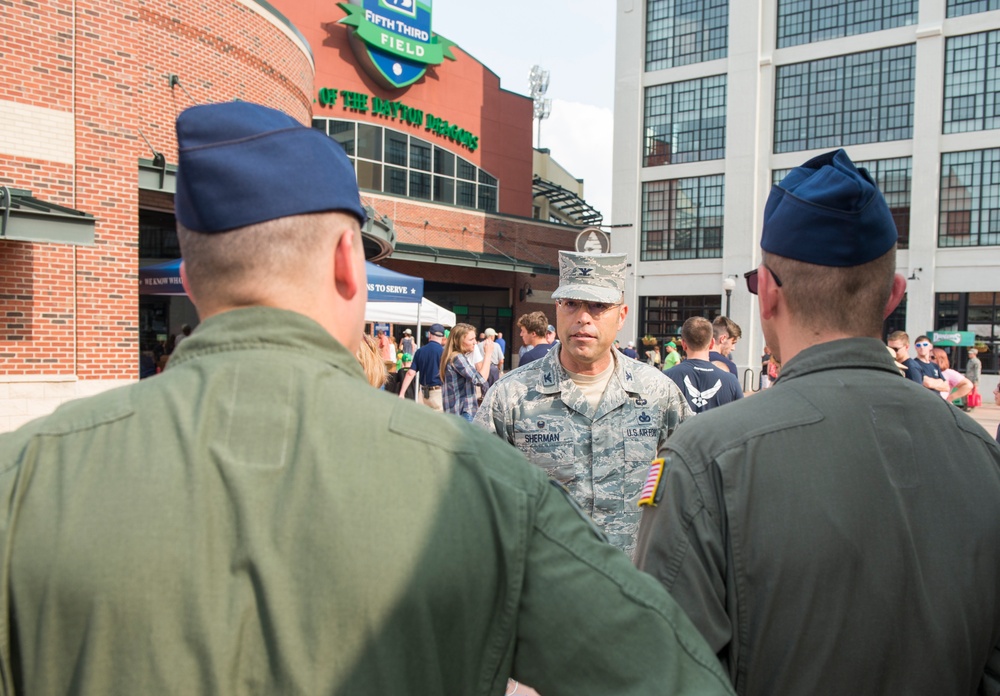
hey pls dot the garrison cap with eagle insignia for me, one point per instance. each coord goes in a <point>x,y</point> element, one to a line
<point>591,277</point>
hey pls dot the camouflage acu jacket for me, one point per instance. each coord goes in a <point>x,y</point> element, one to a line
<point>601,455</point>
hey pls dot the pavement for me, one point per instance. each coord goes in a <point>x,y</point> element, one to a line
<point>987,415</point>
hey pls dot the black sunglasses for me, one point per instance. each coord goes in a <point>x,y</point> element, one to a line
<point>751,277</point>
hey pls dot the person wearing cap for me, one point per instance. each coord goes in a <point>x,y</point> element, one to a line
<point>672,357</point>
<point>427,363</point>
<point>630,350</point>
<point>587,416</point>
<point>837,533</point>
<point>495,368</point>
<point>973,371</point>
<point>243,522</point>
<point>406,344</point>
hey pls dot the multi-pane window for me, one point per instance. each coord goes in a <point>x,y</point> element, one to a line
<point>401,164</point>
<point>663,317</point>
<point>807,21</point>
<point>970,198</point>
<point>971,82</point>
<point>685,121</point>
<point>681,32</point>
<point>845,100</point>
<point>682,218</point>
<point>958,8</point>
<point>893,177</point>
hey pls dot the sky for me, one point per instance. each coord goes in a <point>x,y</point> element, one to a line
<point>575,42</point>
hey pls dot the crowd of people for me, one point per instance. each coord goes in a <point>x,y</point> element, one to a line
<point>262,517</point>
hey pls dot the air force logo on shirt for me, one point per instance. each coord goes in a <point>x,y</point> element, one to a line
<point>700,398</point>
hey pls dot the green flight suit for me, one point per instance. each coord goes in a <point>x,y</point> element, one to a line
<point>259,520</point>
<point>836,534</point>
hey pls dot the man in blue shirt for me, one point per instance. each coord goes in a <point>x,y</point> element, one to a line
<point>703,384</point>
<point>932,377</point>
<point>427,362</point>
<point>899,342</point>
<point>533,327</point>
<point>727,332</point>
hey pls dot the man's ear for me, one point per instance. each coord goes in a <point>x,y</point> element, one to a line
<point>768,294</point>
<point>621,316</point>
<point>187,285</point>
<point>346,275</point>
<point>896,296</point>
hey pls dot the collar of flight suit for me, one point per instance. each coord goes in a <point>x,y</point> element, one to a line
<point>265,328</point>
<point>843,353</point>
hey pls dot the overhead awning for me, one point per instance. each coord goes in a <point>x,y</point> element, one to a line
<point>25,218</point>
<point>566,202</point>
<point>461,257</point>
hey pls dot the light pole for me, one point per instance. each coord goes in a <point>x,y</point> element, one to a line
<point>728,284</point>
<point>538,81</point>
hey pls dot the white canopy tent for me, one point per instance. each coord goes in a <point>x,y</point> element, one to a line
<point>424,313</point>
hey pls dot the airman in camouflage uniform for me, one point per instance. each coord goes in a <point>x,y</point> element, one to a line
<point>600,453</point>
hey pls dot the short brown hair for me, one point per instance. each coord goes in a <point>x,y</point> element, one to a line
<point>237,266</point>
<point>697,333</point>
<point>847,299</point>
<point>899,336</point>
<point>534,323</point>
<point>725,325</point>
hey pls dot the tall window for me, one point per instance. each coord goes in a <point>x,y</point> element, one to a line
<point>681,32</point>
<point>894,181</point>
<point>398,163</point>
<point>970,198</point>
<point>971,82</point>
<point>685,122</point>
<point>682,218</point>
<point>958,8</point>
<point>663,317</point>
<point>845,100</point>
<point>806,21</point>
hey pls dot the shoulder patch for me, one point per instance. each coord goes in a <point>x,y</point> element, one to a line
<point>651,495</point>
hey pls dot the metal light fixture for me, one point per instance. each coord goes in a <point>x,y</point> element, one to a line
<point>728,284</point>
<point>538,81</point>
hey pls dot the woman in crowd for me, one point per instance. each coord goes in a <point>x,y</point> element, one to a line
<point>371,362</point>
<point>960,385</point>
<point>459,376</point>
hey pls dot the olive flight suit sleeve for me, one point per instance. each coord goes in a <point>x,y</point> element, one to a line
<point>682,544</point>
<point>590,623</point>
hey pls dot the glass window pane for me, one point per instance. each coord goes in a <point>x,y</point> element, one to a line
<point>444,189</point>
<point>369,175</point>
<point>420,185</point>
<point>685,121</point>
<point>682,218</point>
<point>487,198</point>
<point>420,155</point>
<point>395,148</point>
<point>466,170</point>
<point>370,142</point>
<point>681,32</point>
<point>444,162</point>
<point>395,181</point>
<point>465,194</point>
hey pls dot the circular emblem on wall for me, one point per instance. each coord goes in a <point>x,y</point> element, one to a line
<point>593,240</point>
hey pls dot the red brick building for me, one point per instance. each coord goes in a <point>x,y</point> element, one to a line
<point>88,97</point>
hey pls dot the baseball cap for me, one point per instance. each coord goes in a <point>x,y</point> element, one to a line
<point>436,330</point>
<point>591,277</point>
<point>241,163</point>
<point>829,213</point>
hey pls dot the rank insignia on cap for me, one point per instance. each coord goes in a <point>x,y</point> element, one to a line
<point>652,486</point>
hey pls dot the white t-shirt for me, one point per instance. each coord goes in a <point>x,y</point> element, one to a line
<point>477,354</point>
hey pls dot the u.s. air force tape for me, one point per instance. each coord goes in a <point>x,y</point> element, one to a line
<point>651,490</point>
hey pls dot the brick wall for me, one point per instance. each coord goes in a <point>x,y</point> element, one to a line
<point>68,315</point>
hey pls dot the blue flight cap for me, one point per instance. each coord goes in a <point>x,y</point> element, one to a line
<point>829,213</point>
<point>240,164</point>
